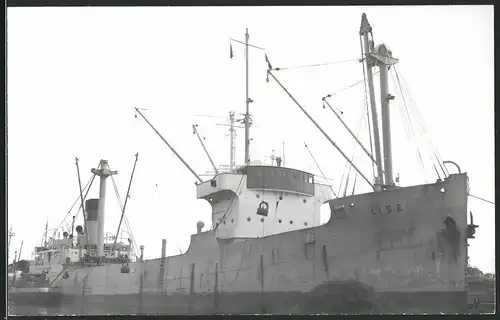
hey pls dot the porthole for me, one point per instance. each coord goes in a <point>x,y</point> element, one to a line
<point>279,220</point>
<point>232,220</point>
<point>443,190</point>
<point>257,195</point>
<point>248,219</point>
<point>352,205</point>
<point>291,221</point>
<point>305,223</point>
<point>281,197</point>
<point>304,200</point>
<point>261,219</point>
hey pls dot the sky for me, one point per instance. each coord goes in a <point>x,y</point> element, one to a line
<point>75,74</point>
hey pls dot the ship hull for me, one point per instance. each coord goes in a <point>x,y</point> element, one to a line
<point>333,299</point>
<point>383,252</point>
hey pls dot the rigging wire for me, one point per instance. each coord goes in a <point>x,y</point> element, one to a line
<point>350,86</point>
<point>229,208</point>
<point>319,168</point>
<point>488,201</point>
<point>413,128</point>
<point>420,125</point>
<point>315,65</point>
<point>125,216</point>
<point>408,129</point>
<point>87,185</point>
<point>361,122</point>
<point>361,118</point>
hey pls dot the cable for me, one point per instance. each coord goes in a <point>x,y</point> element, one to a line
<point>319,168</point>
<point>481,199</point>
<point>348,87</point>
<point>125,217</point>
<point>361,121</point>
<point>225,215</point>
<point>315,65</point>
<point>421,126</point>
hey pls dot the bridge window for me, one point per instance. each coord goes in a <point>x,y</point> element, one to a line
<point>278,178</point>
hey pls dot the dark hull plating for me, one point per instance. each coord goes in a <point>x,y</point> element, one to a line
<point>331,299</point>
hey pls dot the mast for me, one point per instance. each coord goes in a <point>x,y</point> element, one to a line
<point>248,100</point>
<point>104,172</point>
<point>204,148</point>
<point>369,63</point>
<point>384,61</point>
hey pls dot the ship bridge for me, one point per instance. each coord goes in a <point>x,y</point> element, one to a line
<point>260,200</point>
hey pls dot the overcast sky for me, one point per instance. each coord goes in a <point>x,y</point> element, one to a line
<point>74,75</point>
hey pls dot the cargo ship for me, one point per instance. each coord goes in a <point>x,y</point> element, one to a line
<point>396,249</point>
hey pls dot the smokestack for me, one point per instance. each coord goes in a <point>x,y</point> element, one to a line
<point>92,206</point>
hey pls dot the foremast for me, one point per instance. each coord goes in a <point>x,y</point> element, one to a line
<point>381,57</point>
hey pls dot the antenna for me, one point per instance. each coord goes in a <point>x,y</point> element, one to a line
<point>232,143</point>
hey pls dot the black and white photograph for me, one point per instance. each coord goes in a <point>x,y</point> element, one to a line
<point>209,160</point>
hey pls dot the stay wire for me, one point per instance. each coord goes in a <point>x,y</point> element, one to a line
<point>229,209</point>
<point>321,171</point>
<point>401,104</point>
<point>125,216</point>
<point>421,125</point>
<point>361,121</point>
<point>314,65</point>
<point>409,117</point>
<point>89,184</point>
